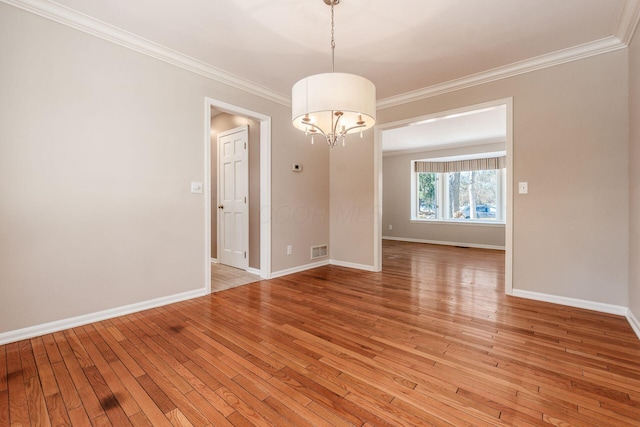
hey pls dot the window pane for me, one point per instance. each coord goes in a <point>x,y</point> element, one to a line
<point>473,195</point>
<point>427,197</point>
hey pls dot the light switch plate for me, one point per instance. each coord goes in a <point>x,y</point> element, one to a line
<point>523,188</point>
<point>196,187</point>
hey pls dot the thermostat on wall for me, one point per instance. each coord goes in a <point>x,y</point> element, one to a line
<point>296,167</point>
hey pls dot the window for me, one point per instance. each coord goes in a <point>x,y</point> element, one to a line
<point>464,195</point>
<point>427,195</point>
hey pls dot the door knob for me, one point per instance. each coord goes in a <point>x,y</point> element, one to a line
<point>220,206</point>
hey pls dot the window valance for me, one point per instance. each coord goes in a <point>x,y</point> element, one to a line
<point>462,165</point>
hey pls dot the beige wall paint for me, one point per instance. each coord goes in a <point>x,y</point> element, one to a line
<point>352,212</point>
<point>98,146</point>
<point>219,123</point>
<point>396,203</point>
<point>303,219</point>
<point>634,176</point>
<point>299,200</point>
<point>570,144</point>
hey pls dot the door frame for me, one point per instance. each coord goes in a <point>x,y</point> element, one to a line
<point>377,172</point>
<point>245,219</point>
<point>265,184</point>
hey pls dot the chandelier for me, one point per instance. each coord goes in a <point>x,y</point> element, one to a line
<point>333,104</point>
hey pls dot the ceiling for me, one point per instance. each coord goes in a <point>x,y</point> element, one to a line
<point>462,129</point>
<point>402,46</point>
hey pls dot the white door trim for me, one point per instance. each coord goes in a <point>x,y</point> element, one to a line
<point>245,219</point>
<point>377,185</point>
<point>265,184</point>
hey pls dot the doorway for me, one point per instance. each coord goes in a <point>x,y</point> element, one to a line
<point>259,183</point>
<point>406,127</point>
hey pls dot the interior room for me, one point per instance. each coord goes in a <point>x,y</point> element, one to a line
<point>331,155</point>
<point>470,134</point>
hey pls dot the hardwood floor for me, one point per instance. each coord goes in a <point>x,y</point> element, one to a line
<point>432,340</point>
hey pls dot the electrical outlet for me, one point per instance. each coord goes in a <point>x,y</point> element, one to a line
<point>390,227</point>
<point>289,249</point>
<point>523,188</point>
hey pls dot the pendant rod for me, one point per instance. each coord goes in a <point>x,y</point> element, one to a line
<point>333,43</point>
<point>332,3</point>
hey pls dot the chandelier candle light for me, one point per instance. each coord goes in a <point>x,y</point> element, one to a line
<point>333,104</point>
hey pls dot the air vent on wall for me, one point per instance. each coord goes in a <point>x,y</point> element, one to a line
<point>319,251</point>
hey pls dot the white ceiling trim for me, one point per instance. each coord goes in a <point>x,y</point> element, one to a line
<point>544,61</point>
<point>71,18</point>
<point>628,21</point>
<point>627,24</point>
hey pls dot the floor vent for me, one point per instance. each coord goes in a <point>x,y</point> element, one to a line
<point>319,251</point>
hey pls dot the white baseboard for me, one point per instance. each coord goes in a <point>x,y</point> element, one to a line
<point>352,265</point>
<point>440,242</point>
<point>298,269</point>
<point>214,260</point>
<point>47,328</point>
<point>633,321</point>
<point>573,302</point>
<point>579,303</point>
<point>255,271</point>
<point>321,264</point>
<point>59,325</point>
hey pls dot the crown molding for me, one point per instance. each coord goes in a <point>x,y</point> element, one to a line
<point>586,50</point>
<point>628,21</point>
<point>79,21</point>
<point>627,24</point>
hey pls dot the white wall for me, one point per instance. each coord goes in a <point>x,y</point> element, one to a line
<point>634,177</point>
<point>98,146</point>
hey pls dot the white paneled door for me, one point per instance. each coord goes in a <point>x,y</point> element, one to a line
<point>233,197</point>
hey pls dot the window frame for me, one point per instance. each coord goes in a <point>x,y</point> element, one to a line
<point>442,200</point>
